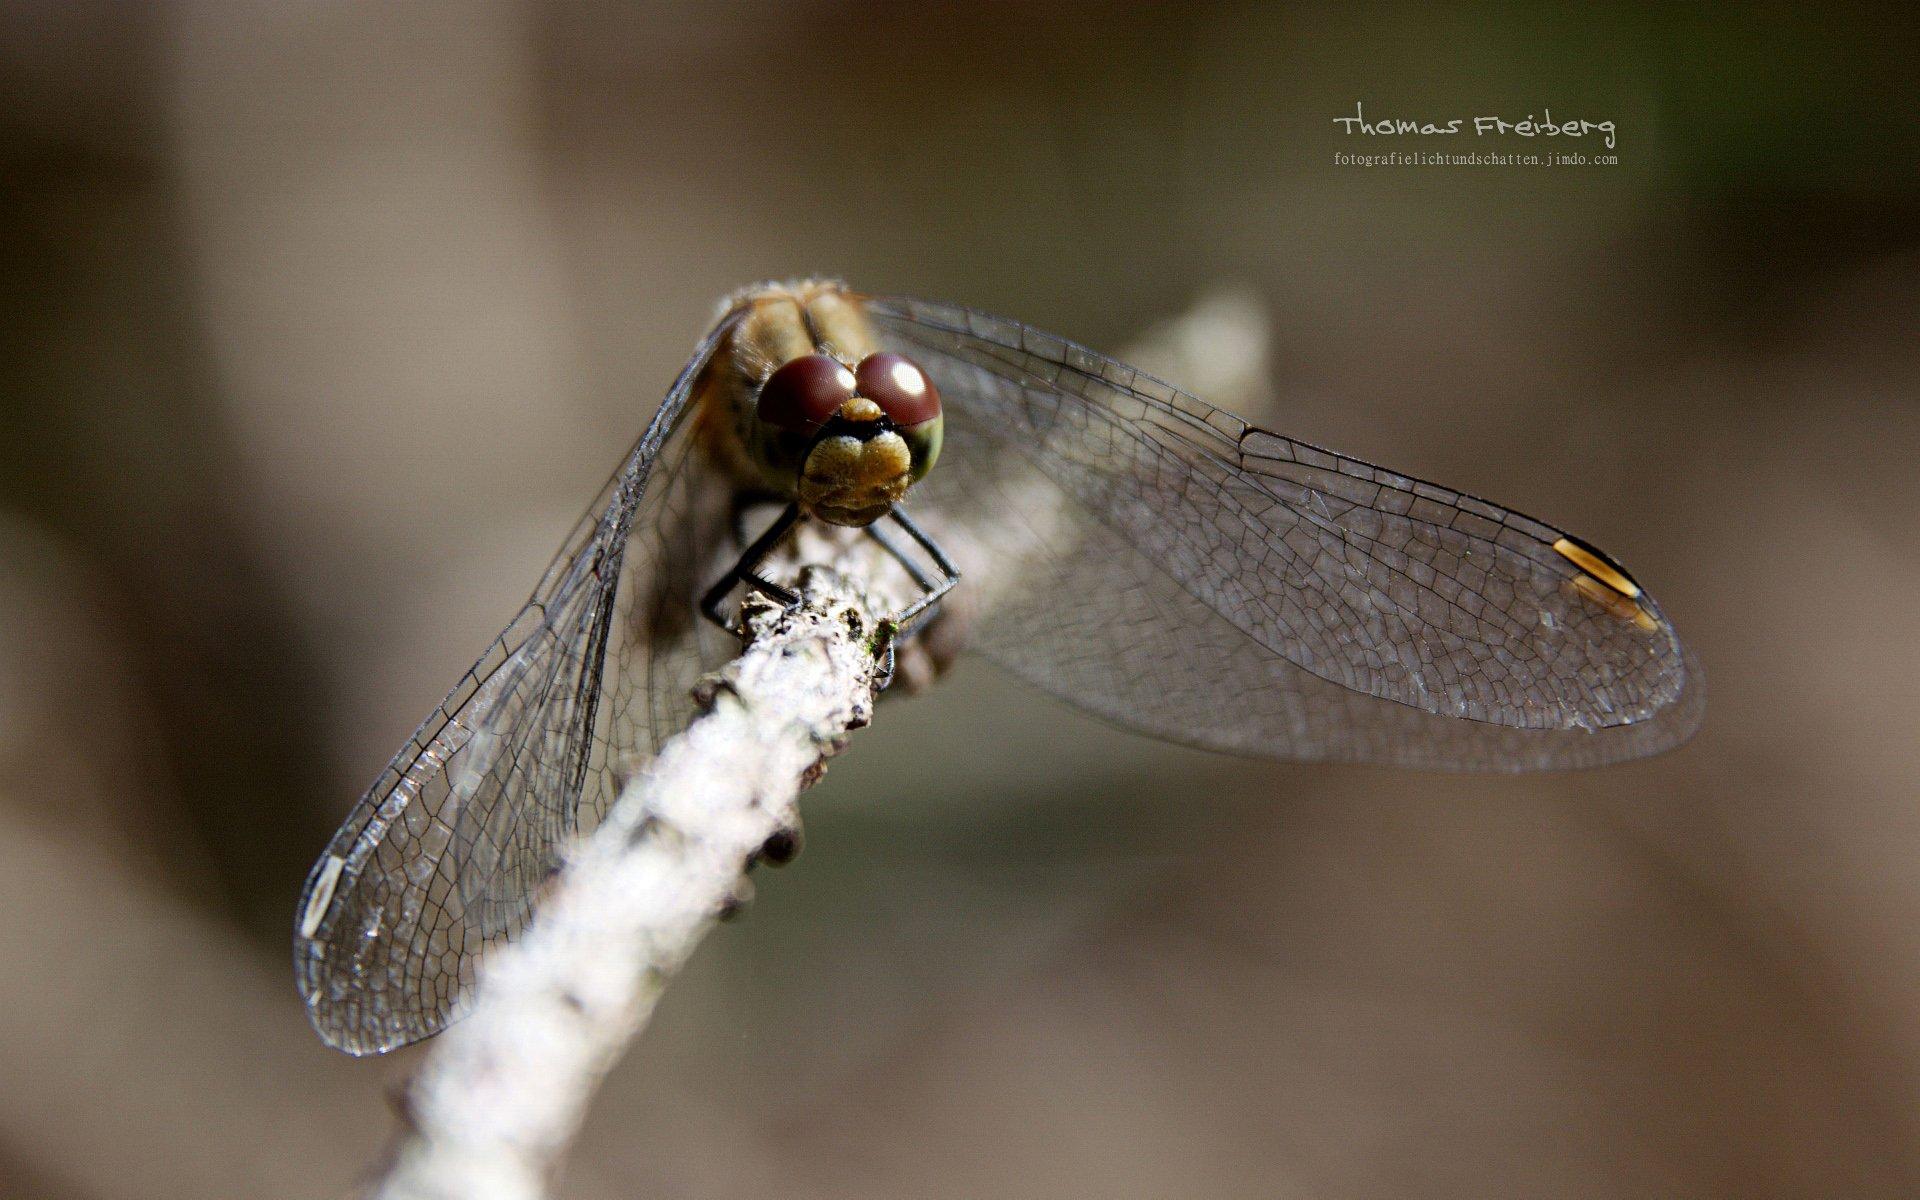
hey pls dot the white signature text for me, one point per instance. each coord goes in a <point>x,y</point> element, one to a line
<point>1528,126</point>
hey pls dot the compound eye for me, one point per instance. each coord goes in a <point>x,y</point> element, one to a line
<point>901,389</point>
<point>802,395</point>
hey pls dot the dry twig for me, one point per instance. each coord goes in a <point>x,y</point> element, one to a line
<point>503,1091</point>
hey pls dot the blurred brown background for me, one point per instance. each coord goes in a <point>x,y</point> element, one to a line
<point>321,322</point>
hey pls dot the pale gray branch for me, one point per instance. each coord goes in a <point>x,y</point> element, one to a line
<point>503,1091</point>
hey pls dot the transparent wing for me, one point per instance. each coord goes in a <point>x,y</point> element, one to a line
<point>1164,565</point>
<point>444,855</point>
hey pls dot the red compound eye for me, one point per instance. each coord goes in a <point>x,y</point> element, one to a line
<point>901,389</point>
<point>802,395</point>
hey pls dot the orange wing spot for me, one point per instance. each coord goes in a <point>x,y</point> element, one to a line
<point>1595,564</point>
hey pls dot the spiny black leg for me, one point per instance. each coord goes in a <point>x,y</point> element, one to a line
<point>743,571</point>
<point>932,547</point>
<point>932,592</point>
<point>899,556</point>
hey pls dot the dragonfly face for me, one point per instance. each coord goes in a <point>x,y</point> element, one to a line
<point>1126,546</point>
<point>818,414</point>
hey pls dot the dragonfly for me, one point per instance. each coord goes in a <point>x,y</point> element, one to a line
<point>1111,539</point>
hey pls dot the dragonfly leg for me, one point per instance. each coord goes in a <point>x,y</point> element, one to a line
<point>746,571</point>
<point>900,556</point>
<point>931,591</point>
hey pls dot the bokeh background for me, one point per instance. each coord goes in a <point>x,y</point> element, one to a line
<point>320,322</point>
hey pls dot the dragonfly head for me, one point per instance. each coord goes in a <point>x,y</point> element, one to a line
<point>850,441</point>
